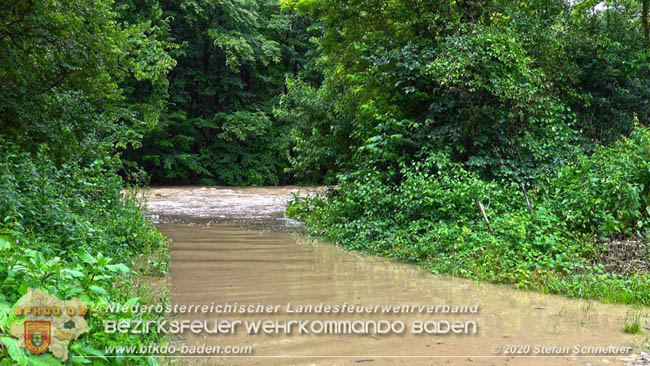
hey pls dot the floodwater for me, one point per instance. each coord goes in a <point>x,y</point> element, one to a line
<point>234,246</point>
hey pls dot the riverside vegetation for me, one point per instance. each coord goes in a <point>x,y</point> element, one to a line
<point>429,113</point>
<point>65,113</point>
<point>417,111</point>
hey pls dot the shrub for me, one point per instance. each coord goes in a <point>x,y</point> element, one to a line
<point>607,192</point>
<point>428,214</point>
<point>71,232</point>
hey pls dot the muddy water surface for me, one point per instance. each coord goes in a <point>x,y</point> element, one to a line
<point>234,246</point>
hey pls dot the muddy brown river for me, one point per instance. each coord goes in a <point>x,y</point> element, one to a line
<point>233,246</point>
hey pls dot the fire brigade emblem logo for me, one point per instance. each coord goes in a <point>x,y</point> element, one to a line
<point>37,335</point>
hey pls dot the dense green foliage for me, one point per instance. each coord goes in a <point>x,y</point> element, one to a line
<point>61,67</point>
<point>428,107</point>
<point>69,71</point>
<point>232,61</point>
<point>511,87</point>
<point>70,232</point>
<point>431,217</point>
<point>419,111</point>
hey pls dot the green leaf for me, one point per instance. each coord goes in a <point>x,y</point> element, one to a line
<point>15,352</point>
<point>80,359</point>
<point>98,290</point>
<point>73,272</point>
<point>45,359</point>
<point>132,301</point>
<point>86,257</point>
<point>120,267</point>
<point>4,243</point>
<point>95,352</point>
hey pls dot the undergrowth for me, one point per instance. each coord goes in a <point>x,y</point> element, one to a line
<point>71,232</point>
<point>428,213</point>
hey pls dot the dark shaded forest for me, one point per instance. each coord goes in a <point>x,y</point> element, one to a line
<point>268,93</point>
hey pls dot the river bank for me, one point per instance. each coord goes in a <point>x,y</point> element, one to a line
<point>235,245</point>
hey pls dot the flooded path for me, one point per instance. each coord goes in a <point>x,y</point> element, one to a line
<point>232,246</point>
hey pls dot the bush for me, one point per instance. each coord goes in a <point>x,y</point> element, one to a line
<point>607,192</point>
<point>428,214</point>
<point>70,232</point>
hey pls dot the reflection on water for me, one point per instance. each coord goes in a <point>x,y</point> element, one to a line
<point>225,260</point>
